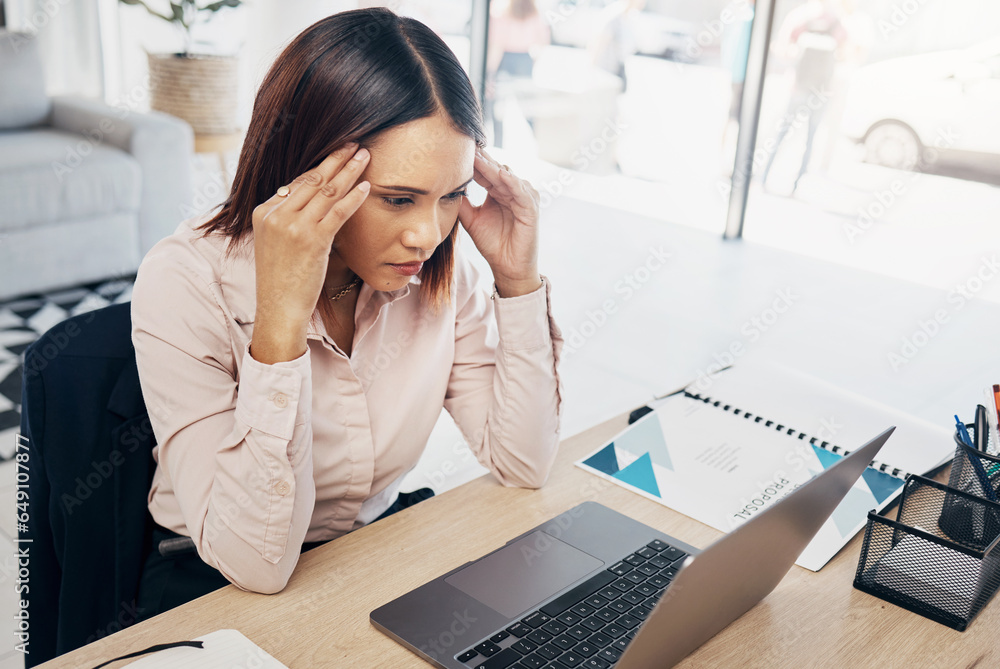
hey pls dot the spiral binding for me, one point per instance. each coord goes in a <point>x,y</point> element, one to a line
<point>825,445</point>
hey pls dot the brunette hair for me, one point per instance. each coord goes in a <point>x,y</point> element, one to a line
<point>347,78</point>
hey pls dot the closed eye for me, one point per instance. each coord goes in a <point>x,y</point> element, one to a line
<point>457,195</point>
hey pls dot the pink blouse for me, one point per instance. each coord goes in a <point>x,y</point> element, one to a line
<point>255,459</point>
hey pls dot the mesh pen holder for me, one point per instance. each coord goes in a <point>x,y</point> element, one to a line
<point>965,469</point>
<point>913,563</point>
<point>971,429</point>
<point>978,474</point>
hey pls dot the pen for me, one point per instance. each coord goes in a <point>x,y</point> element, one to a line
<point>996,423</point>
<point>993,435</point>
<point>977,466</point>
<point>963,433</point>
<point>981,433</point>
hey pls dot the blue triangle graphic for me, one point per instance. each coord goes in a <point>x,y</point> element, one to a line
<point>852,510</point>
<point>640,474</point>
<point>604,460</point>
<point>826,458</point>
<point>646,436</point>
<point>881,484</point>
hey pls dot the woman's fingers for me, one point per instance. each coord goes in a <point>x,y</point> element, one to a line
<point>302,189</point>
<point>494,185</point>
<point>502,184</point>
<point>481,179</point>
<point>480,176</point>
<point>512,193</point>
<point>467,212</point>
<point>527,198</point>
<point>344,208</point>
<point>325,195</point>
<point>338,186</point>
<point>506,181</point>
<point>490,171</point>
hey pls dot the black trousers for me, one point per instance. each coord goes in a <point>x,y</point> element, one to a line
<point>168,582</point>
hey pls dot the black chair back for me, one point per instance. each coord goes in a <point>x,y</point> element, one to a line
<point>86,449</point>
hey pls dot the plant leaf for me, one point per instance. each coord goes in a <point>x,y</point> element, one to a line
<point>216,6</point>
<point>140,3</point>
<point>178,11</point>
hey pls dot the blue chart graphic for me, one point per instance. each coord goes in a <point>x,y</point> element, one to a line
<point>857,503</point>
<point>646,436</point>
<point>604,460</point>
<point>854,508</point>
<point>826,458</point>
<point>640,474</point>
<point>882,485</point>
<point>645,439</point>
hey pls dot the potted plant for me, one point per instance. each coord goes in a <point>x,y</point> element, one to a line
<point>200,88</point>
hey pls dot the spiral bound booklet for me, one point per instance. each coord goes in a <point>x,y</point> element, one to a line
<point>732,444</point>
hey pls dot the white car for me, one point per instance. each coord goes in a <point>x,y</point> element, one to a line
<point>913,111</point>
<point>577,23</point>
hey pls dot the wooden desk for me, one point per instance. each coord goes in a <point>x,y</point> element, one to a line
<point>321,618</point>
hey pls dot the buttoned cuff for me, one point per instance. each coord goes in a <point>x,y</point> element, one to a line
<point>523,321</point>
<point>275,398</point>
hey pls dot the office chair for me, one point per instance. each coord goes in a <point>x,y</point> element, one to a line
<point>88,444</point>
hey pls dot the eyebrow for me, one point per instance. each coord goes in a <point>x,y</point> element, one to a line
<point>420,191</point>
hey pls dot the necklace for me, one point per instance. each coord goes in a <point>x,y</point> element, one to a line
<point>340,291</point>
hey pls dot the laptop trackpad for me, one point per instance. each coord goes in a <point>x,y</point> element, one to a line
<point>524,574</point>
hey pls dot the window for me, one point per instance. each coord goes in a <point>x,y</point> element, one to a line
<point>632,101</point>
<point>879,137</point>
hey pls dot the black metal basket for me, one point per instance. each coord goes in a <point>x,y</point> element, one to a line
<point>969,464</point>
<point>913,563</point>
<point>975,473</point>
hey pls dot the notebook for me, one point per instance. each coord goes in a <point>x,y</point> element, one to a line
<point>726,447</point>
<point>593,588</point>
<point>223,649</point>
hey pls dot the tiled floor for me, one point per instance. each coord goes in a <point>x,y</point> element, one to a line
<point>21,322</point>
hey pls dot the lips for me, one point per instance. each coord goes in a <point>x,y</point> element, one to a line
<point>407,269</point>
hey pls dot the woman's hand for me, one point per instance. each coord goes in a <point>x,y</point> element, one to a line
<point>505,227</point>
<point>293,236</point>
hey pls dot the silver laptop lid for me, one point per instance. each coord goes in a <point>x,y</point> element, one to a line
<point>729,577</point>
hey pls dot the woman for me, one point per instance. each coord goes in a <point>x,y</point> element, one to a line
<point>517,32</point>
<point>295,350</point>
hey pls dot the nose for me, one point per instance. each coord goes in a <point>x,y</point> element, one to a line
<point>423,232</point>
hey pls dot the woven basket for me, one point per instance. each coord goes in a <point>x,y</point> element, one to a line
<point>200,89</point>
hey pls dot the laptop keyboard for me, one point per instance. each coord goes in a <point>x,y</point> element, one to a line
<point>591,625</point>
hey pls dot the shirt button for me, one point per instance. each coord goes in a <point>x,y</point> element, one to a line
<point>280,400</point>
<point>282,488</point>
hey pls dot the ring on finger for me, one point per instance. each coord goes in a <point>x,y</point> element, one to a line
<point>283,191</point>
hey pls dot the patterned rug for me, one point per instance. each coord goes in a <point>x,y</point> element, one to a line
<point>22,321</point>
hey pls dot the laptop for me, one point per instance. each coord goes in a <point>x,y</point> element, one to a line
<point>593,588</point>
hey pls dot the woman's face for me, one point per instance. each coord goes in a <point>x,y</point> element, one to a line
<point>418,173</point>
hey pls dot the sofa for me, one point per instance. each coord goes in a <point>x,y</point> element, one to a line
<point>85,188</point>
